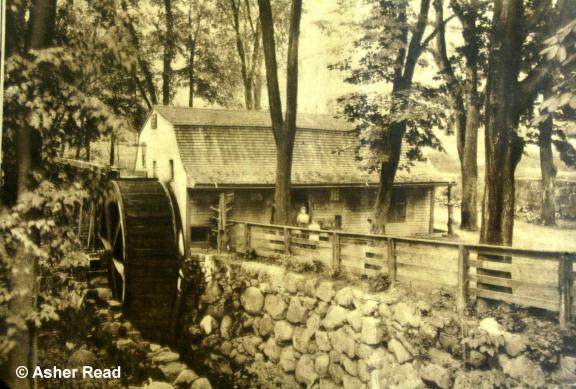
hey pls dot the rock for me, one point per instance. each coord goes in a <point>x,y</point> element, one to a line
<point>185,378</point>
<point>372,331</point>
<point>251,344</point>
<point>104,294</point>
<point>405,314</point>
<point>265,325</point>
<point>480,379</point>
<point>363,372</point>
<point>322,308</point>
<point>438,375</point>
<point>344,297</point>
<point>272,350</point>
<point>476,359</point>
<point>325,291</point>
<point>313,322</point>
<point>305,373</point>
<point>522,369</point>
<point>349,382</point>
<point>355,319</point>
<point>321,363</point>
<point>157,385</point>
<point>283,331</point>
<point>343,342</point>
<point>225,326</point>
<point>482,306</point>
<point>172,370</point>
<point>364,351</point>
<point>442,358</point>
<point>275,306</point>
<point>335,317</point>
<point>384,311</point>
<point>336,372</point>
<point>123,344</point>
<point>326,384</point>
<point>301,339</point>
<point>350,365</point>
<point>166,357</point>
<point>566,372</point>
<point>83,357</point>
<point>212,292</point>
<point>292,281</point>
<point>322,341</point>
<point>297,312</point>
<point>308,287</point>
<point>208,324</point>
<point>264,287</point>
<point>226,348</point>
<point>335,356</point>
<point>402,355</point>
<point>252,300</point>
<point>309,302</point>
<point>201,383</point>
<point>404,376</point>
<point>287,359</point>
<point>514,344</point>
<point>369,307</point>
<point>491,326</point>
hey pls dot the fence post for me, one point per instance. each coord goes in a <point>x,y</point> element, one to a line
<point>564,289</point>
<point>392,260</point>
<point>246,236</point>
<point>462,298</point>
<point>335,252</point>
<point>286,241</point>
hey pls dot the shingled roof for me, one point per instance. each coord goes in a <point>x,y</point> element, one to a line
<point>236,148</point>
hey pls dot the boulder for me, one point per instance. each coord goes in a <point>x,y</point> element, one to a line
<point>402,355</point>
<point>325,291</point>
<point>272,350</point>
<point>344,297</point>
<point>201,383</point>
<point>322,341</point>
<point>212,292</point>
<point>293,281</point>
<point>438,375</point>
<point>404,376</point>
<point>283,331</point>
<point>321,363</point>
<point>208,324</point>
<point>335,317</point>
<point>349,382</point>
<point>301,339</point>
<point>343,342</point>
<point>309,302</point>
<point>252,300</point>
<point>405,314</point>
<point>275,306</point>
<point>522,369</point>
<point>165,357</point>
<point>380,358</point>
<point>297,312</point>
<point>305,372</point>
<point>363,371</point>
<point>384,311</point>
<point>225,326</point>
<point>287,359</point>
<point>368,307</point>
<point>172,370</point>
<point>313,322</point>
<point>350,365</point>
<point>185,379</point>
<point>355,319</point>
<point>326,384</point>
<point>322,308</point>
<point>265,325</point>
<point>336,372</point>
<point>372,331</point>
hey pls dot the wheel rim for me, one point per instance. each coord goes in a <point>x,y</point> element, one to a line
<point>112,235</point>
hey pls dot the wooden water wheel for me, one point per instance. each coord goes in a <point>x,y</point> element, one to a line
<point>138,232</point>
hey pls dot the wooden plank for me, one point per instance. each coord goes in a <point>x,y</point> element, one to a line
<point>462,295</point>
<point>428,261</point>
<point>374,261</point>
<point>247,235</point>
<point>520,300</point>
<point>509,282</point>
<point>423,273</point>
<point>336,253</point>
<point>286,241</point>
<point>392,264</point>
<point>564,274</point>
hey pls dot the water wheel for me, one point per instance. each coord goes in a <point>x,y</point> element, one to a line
<point>138,233</point>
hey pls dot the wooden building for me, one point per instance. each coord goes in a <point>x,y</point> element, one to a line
<point>201,153</point>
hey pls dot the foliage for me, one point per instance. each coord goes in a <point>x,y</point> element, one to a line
<point>546,342</point>
<point>483,342</point>
<point>379,283</point>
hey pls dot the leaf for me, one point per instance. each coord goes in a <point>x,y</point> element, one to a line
<point>561,54</point>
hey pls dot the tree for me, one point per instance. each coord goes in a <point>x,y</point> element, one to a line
<point>284,130</point>
<point>169,52</point>
<point>464,97</point>
<point>507,99</point>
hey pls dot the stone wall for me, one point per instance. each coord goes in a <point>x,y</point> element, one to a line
<point>264,327</point>
<point>529,198</point>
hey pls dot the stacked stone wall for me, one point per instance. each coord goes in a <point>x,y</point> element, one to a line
<point>265,327</point>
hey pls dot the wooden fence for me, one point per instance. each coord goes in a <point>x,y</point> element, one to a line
<point>541,279</point>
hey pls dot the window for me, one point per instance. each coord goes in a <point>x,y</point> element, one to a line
<point>334,194</point>
<point>154,121</point>
<point>171,170</point>
<point>397,212</point>
<point>199,234</point>
<point>256,196</point>
<point>154,169</point>
<point>143,154</point>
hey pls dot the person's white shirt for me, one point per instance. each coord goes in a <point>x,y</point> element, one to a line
<point>303,218</point>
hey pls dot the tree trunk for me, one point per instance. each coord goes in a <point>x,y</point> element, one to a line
<point>168,53</point>
<point>503,145</point>
<point>246,78</point>
<point>191,74</point>
<point>548,210</point>
<point>284,131</point>
<point>469,171</point>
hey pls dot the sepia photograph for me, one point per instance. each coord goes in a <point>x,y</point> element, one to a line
<point>290,194</point>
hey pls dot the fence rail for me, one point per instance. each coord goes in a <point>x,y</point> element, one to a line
<point>534,278</point>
